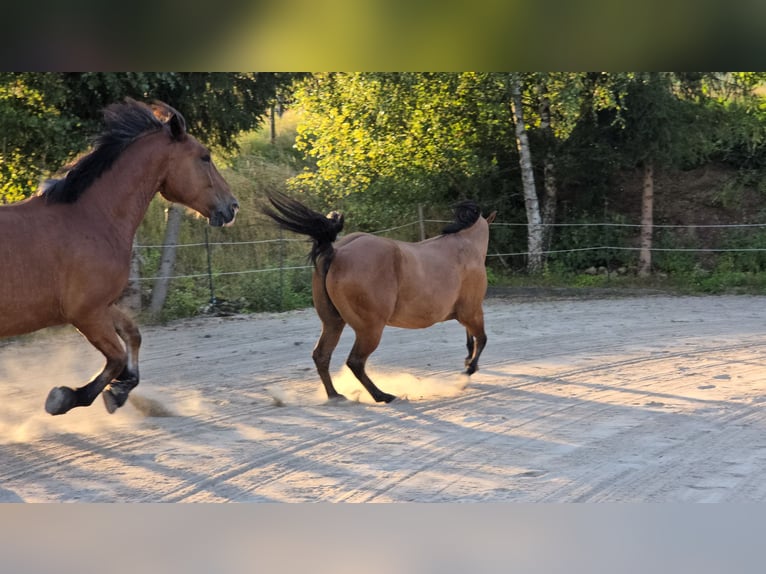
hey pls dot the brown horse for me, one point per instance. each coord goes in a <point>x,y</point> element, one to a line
<point>65,253</point>
<point>369,282</point>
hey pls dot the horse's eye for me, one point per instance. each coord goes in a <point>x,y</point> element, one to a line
<point>206,158</point>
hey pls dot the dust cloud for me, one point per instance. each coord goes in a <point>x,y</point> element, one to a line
<point>404,385</point>
<point>26,379</point>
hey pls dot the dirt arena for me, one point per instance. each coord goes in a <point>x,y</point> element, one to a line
<point>640,399</point>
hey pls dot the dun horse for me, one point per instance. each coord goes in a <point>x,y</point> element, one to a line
<point>65,253</point>
<point>369,282</point>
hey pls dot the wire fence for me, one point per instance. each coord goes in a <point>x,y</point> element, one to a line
<point>575,246</point>
<point>524,253</point>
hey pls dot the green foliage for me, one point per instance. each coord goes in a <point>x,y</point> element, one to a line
<point>35,134</point>
<point>184,299</point>
<point>399,139</point>
<point>47,118</point>
<point>731,282</point>
<point>379,146</point>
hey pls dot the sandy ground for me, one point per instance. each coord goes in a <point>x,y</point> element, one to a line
<point>657,399</point>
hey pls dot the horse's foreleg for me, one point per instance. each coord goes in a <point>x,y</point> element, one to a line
<point>366,342</point>
<point>102,335</point>
<point>328,340</point>
<point>116,393</point>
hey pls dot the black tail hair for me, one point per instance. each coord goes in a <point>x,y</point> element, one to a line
<point>292,215</point>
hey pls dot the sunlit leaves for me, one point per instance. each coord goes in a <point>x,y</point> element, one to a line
<point>32,131</point>
<point>406,136</point>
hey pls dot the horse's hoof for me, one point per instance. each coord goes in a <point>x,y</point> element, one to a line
<point>60,400</point>
<point>116,394</point>
<point>471,370</point>
<point>386,398</point>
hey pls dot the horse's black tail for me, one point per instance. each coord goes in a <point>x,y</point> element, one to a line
<point>294,216</point>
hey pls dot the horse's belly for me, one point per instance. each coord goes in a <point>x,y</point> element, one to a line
<point>27,305</point>
<point>23,320</point>
<point>418,316</point>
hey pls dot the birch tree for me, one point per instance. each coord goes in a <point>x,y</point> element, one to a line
<point>555,103</point>
<point>531,203</point>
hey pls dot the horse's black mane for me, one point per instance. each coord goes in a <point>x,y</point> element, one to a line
<point>125,122</point>
<point>467,213</point>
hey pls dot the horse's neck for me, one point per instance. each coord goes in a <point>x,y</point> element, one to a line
<point>476,236</point>
<point>121,196</point>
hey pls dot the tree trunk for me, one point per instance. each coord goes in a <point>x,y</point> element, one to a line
<point>549,171</point>
<point>647,222</point>
<point>272,125</point>
<point>168,260</point>
<point>131,297</point>
<point>534,223</point>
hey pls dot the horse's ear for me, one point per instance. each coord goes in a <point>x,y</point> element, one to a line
<point>491,217</point>
<point>177,127</point>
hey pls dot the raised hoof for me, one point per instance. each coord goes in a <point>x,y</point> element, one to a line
<point>116,394</point>
<point>471,370</point>
<point>60,400</point>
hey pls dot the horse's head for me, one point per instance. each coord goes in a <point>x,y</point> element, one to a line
<point>193,180</point>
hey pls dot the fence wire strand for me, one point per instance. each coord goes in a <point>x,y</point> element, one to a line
<point>489,255</point>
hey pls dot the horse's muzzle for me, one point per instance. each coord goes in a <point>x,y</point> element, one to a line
<point>224,216</point>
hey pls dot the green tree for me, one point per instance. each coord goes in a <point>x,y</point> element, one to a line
<point>35,134</point>
<point>47,118</point>
<point>667,120</point>
<point>381,143</point>
<point>398,138</point>
<point>413,138</point>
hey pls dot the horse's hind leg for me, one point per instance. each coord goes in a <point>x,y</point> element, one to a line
<point>480,341</point>
<point>470,345</point>
<point>366,342</point>
<point>332,327</point>
<point>116,393</point>
<point>100,331</point>
<point>477,339</point>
